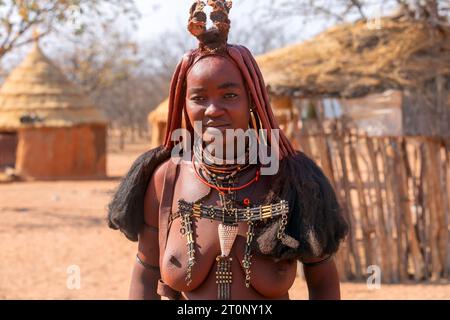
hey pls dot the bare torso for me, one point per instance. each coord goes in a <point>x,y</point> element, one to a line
<point>269,279</point>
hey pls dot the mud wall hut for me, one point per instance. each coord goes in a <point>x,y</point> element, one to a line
<point>157,121</point>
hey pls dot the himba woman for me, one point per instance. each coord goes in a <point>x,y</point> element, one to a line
<point>208,229</point>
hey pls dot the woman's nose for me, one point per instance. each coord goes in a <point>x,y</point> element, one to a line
<point>214,111</point>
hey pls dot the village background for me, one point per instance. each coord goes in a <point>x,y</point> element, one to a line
<point>360,86</point>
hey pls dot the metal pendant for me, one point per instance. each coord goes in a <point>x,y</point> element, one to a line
<point>227,236</point>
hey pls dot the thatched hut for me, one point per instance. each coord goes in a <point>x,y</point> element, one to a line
<point>375,112</point>
<point>157,121</point>
<point>48,127</point>
<point>353,61</point>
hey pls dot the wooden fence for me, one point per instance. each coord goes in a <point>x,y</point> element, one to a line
<point>395,194</point>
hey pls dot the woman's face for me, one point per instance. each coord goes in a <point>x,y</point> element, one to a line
<point>217,97</point>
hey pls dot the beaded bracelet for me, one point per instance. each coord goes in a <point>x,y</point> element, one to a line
<point>146,265</point>
<point>313,264</point>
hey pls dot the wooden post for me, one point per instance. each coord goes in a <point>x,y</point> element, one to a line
<point>343,257</point>
<point>438,226</point>
<point>304,133</point>
<point>425,216</point>
<point>324,150</point>
<point>389,205</point>
<point>446,194</point>
<point>383,232</point>
<point>366,224</point>
<point>352,241</point>
<point>392,194</point>
<point>304,139</point>
<point>402,190</point>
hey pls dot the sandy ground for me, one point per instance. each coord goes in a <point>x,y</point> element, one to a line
<point>49,230</point>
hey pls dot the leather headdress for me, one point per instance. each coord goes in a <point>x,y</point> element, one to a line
<point>214,39</point>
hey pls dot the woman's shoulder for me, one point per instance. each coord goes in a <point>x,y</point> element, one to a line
<point>156,182</point>
<point>153,194</point>
<point>159,173</point>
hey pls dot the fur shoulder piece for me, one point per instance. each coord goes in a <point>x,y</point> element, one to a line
<point>315,225</point>
<point>126,209</point>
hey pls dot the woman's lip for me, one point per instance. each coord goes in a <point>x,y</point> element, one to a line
<point>219,126</point>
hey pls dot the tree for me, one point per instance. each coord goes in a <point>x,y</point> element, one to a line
<point>102,63</point>
<point>125,79</point>
<point>338,11</point>
<point>259,39</point>
<point>18,18</point>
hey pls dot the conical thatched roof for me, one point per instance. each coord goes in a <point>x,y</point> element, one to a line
<point>353,60</point>
<point>37,93</point>
<point>160,113</point>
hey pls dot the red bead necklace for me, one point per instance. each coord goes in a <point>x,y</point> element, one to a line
<point>223,189</point>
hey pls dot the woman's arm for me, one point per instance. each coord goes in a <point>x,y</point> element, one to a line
<point>144,283</point>
<point>322,280</point>
<point>145,276</point>
<point>146,273</point>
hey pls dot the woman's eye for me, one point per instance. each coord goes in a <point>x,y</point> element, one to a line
<point>230,95</point>
<point>197,98</point>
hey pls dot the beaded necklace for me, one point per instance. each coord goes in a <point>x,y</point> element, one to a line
<point>224,179</point>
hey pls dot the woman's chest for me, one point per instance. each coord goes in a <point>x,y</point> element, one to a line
<point>268,276</point>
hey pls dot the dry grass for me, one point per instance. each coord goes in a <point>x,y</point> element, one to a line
<point>352,60</point>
